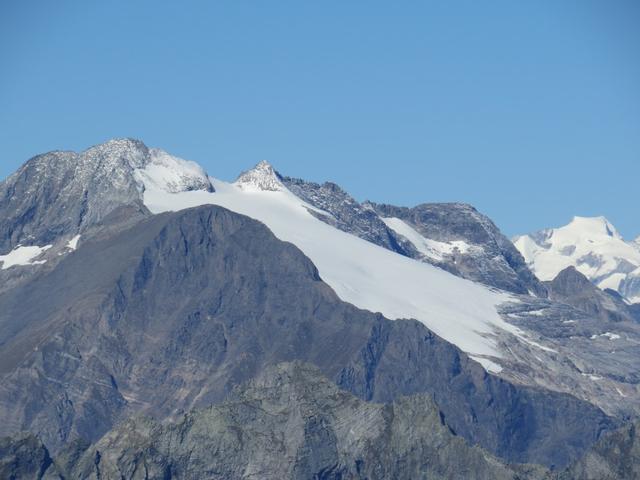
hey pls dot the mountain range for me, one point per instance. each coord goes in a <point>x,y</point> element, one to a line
<point>157,322</point>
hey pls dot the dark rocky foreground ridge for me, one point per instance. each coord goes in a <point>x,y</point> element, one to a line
<point>175,311</point>
<point>290,422</point>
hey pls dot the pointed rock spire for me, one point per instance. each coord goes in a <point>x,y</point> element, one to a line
<point>261,177</point>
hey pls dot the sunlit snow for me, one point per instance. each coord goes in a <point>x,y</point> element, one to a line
<point>73,243</point>
<point>23,256</point>
<point>590,244</point>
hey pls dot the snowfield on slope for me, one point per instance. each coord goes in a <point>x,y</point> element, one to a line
<point>366,275</point>
<point>21,256</point>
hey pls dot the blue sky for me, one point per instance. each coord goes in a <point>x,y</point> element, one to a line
<point>528,110</point>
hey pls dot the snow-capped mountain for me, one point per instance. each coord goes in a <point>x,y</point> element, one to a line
<point>490,324</point>
<point>156,288</point>
<point>590,244</point>
<point>48,205</point>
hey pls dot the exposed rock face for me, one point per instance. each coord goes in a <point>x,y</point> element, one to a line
<point>24,457</point>
<point>492,258</point>
<point>292,423</point>
<point>346,214</point>
<point>260,177</point>
<point>181,307</point>
<point>615,457</point>
<point>60,193</point>
<point>494,261</point>
<point>573,288</point>
<point>59,198</point>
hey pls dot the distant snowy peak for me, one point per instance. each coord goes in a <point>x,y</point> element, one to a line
<point>593,227</point>
<point>262,177</point>
<point>590,244</point>
<point>172,174</point>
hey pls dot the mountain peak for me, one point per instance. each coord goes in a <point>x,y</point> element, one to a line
<point>129,151</point>
<point>593,246</point>
<point>261,177</point>
<point>172,174</point>
<point>593,225</point>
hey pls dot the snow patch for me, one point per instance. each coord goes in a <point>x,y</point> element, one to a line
<point>21,256</point>
<point>426,246</point>
<point>489,365</point>
<point>73,243</point>
<point>609,335</point>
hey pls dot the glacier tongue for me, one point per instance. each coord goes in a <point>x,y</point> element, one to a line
<point>364,274</point>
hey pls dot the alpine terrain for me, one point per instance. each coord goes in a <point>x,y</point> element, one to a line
<point>158,322</point>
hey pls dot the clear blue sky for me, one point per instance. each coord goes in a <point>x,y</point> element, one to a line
<point>528,110</point>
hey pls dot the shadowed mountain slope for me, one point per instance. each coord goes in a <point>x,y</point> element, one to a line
<point>174,312</point>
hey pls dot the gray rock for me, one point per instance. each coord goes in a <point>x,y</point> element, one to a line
<point>494,261</point>
<point>346,214</point>
<point>615,457</point>
<point>573,288</point>
<point>181,307</point>
<point>61,193</point>
<point>292,423</point>
<point>24,457</point>
<point>58,195</point>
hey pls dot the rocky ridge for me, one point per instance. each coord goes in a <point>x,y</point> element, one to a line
<point>490,257</point>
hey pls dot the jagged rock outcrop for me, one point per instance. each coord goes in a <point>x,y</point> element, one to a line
<point>573,288</point>
<point>292,423</point>
<point>615,457</point>
<point>490,258</point>
<point>57,199</point>
<point>62,193</point>
<point>348,215</point>
<point>177,310</point>
<point>260,177</point>
<point>24,457</point>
